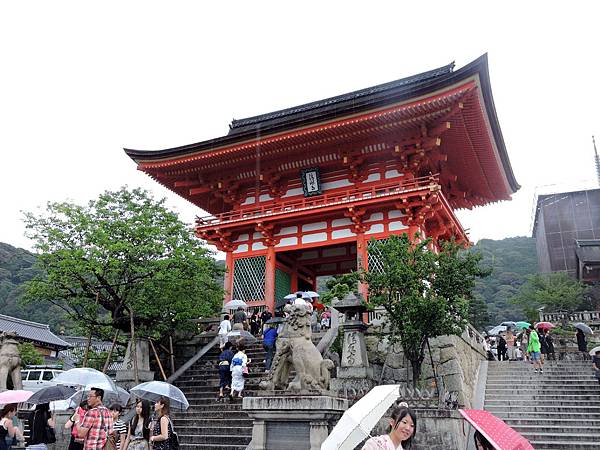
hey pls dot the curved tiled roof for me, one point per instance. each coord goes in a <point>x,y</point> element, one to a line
<point>31,331</point>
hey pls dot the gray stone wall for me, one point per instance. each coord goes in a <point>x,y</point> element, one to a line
<point>455,358</point>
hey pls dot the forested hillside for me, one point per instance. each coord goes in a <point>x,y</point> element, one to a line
<point>16,268</point>
<point>512,260</point>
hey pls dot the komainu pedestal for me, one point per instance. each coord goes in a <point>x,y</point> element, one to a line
<point>287,421</point>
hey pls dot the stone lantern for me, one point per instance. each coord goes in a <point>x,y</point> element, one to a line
<point>354,376</point>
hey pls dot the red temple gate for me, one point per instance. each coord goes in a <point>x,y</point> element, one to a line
<point>298,193</point>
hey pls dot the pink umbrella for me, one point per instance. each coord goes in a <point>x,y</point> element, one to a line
<point>544,325</point>
<point>500,435</point>
<point>16,396</point>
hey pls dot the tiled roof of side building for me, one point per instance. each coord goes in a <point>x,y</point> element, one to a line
<point>31,331</point>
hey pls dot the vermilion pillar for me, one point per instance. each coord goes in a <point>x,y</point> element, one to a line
<point>294,278</point>
<point>270,279</point>
<point>228,279</point>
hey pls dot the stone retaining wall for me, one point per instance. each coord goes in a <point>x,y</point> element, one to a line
<point>455,358</point>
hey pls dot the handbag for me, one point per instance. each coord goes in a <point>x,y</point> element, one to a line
<point>173,438</point>
<point>111,441</point>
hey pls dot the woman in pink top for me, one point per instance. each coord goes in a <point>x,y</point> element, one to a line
<point>403,426</point>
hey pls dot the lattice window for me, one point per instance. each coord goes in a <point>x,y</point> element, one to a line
<point>249,278</point>
<point>375,259</point>
<point>283,284</point>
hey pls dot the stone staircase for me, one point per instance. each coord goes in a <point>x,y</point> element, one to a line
<point>559,409</point>
<point>209,424</point>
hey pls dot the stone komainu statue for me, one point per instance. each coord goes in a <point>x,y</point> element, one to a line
<point>10,361</point>
<point>296,349</point>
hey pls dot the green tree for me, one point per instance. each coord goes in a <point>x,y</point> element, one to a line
<point>29,355</point>
<point>555,291</point>
<point>122,257</point>
<point>339,286</point>
<point>478,312</point>
<point>425,294</point>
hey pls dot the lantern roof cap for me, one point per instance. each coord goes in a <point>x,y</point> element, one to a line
<point>351,302</point>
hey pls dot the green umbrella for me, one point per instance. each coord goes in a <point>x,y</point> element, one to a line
<point>523,324</point>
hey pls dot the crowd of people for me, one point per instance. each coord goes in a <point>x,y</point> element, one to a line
<point>535,346</point>
<point>92,426</point>
<point>528,345</point>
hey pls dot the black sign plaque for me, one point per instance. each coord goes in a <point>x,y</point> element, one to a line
<point>311,182</point>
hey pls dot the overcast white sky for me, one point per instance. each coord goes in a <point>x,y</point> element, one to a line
<point>81,80</point>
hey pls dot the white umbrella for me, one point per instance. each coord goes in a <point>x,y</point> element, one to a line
<point>154,390</point>
<point>235,304</point>
<point>356,423</point>
<point>594,350</point>
<point>290,297</point>
<point>87,378</point>
<point>497,330</point>
<point>312,294</point>
<point>583,327</point>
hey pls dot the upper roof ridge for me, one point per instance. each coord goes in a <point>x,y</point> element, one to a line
<point>254,120</point>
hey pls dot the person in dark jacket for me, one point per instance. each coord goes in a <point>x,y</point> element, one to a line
<point>502,349</point>
<point>543,344</point>
<point>225,370</point>
<point>596,365</point>
<point>269,341</point>
<point>582,343</point>
<point>550,344</point>
<point>41,424</point>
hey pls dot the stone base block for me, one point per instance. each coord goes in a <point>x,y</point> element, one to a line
<point>299,422</point>
<point>351,388</point>
<point>126,378</point>
<point>355,372</point>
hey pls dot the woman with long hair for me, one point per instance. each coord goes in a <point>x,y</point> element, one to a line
<point>403,426</point>
<point>6,425</point>
<point>138,436</point>
<point>162,432</point>
<point>42,428</point>
<point>76,443</point>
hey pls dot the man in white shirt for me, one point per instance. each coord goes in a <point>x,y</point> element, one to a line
<point>224,328</point>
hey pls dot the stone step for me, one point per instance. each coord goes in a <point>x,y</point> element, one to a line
<point>552,429</point>
<point>576,420</point>
<point>508,413</point>
<point>215,430</point>
<point>547,403</point>
<point>211,446</point>
<point>537,396</point>
<point>519,409</point>
<point>542,378</point>
<point>213,422</point>
<point>509,389</point>
<point>564,445</point>
<point>535,436</point>
<point>230,439</point>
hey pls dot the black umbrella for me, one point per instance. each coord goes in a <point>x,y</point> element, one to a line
<point>276,320</point>
<point>51,394</point>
